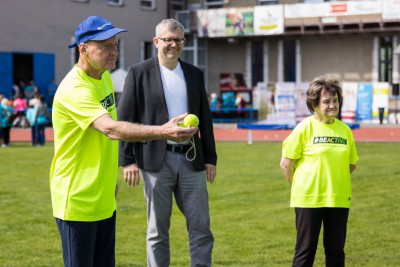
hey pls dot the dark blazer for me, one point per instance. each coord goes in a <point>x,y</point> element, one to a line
<point>143,101</point>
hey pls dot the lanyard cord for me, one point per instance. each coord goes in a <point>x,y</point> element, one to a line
<point>191,140</point>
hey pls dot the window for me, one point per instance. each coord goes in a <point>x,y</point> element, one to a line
<point>215,3</point>
<point>316,1</point>
<point>115,2</point>
<point>385,59</point>
<point>148,4</point>
<point>195,52</point>
<point>289,55</point>
<point>177,5</point>
<point>147,50</point>
<point>257,62</point>
<point>183,17</point>
<point>268,2</point>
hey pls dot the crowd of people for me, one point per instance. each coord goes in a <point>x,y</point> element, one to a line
<point>318,156</point>
<point>26,108</point>
<point>229,105</point>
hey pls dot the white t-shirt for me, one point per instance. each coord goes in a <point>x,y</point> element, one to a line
<point>175,92</point>
<point>174,85</point>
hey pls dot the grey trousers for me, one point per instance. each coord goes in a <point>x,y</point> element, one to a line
<point>177,178</point>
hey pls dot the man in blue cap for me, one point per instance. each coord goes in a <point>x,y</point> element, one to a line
<point>83,175</point>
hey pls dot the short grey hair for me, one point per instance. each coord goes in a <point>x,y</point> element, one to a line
<point>168,24</point>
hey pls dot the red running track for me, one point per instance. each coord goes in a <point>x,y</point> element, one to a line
<point>360,135</point>
<point>376,133</point>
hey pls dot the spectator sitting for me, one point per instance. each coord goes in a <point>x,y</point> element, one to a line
<point>215,105</point>
<point>228,102</point>
<point>240,103</point>
<point>214,101</point>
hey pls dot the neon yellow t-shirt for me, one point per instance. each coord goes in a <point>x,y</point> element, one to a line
<point>83,173</point>
<point>324,153</point>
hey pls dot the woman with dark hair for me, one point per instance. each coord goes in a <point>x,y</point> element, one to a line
<point>317,159</point>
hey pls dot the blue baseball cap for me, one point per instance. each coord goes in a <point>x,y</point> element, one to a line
<point>94,28</point>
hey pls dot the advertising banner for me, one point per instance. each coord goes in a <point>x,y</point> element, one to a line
<point>305,10</point>
<point>380,99</point>
<point>239,21</point>
<point>391,10</point>
<point>301,106</point>
<point>332,9</point>
<point>364,102</point>
<point>349,106</point>
<point>261,100</point>
<point>268,20</point>
<point>362,7</point>
<point>361,102</point>
<point>285,103</point>
<point>211,22</point>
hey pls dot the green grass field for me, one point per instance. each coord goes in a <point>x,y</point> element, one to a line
<point>251,220</point>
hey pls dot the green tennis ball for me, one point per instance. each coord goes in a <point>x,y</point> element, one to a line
<point>191,120</point>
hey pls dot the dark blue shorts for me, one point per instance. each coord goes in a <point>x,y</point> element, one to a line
<point>88,243</point>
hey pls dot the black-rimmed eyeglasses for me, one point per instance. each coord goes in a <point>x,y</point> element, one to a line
<point>170,41</point>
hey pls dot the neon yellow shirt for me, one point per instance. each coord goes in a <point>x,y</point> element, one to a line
<point>83,173</point>
<point>324,153</point>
